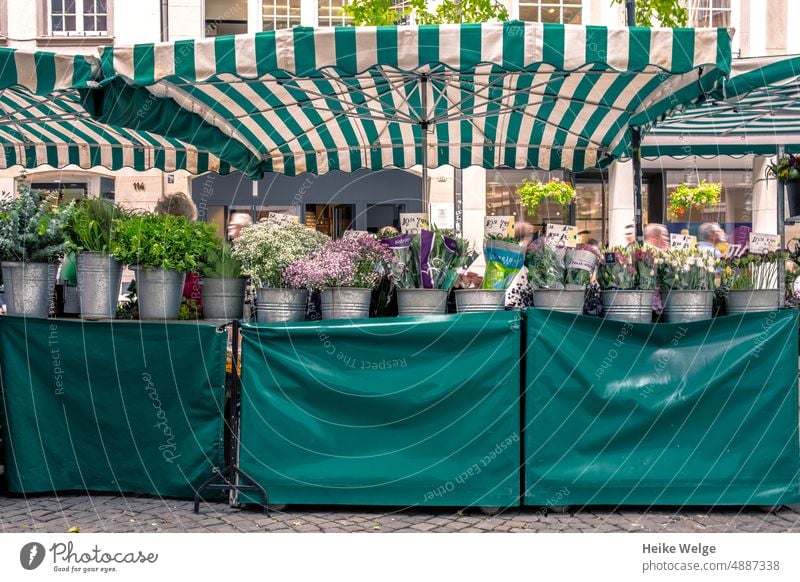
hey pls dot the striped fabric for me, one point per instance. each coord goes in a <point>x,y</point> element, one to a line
<point>57,131</point>
<point>44,72</point>
<point>757,109</point>
<point>511,94</point>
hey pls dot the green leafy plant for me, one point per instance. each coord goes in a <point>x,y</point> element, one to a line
<point>786,169</point>
<point>129,309</point>
<point>219,263</point>
<point>686,197</point>
<point>92,223</point>
<point>670,13</point>
<point>161,241</point>
<point>752,271</point>
<point>386,12</point>
<point>32,226</point>
<point>531,194</point>
<point>190,310</point>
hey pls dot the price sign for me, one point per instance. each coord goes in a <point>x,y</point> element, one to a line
<point>764,243</point>
<point>734,251</point>
<point>561,235</point>
<point>413,222</point>
<point>356,234</point>
<point>499,225</point>
<point>279,219</point>
<point>680,241</point>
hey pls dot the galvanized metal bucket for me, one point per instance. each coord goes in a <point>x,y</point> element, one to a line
<point>345,303</point>
<point>746,300</point>
<point>682,305</point>
<point>477,300</point>
<point>565,300</point>
<point>421,302</point>
<point>223,298</point>
<point>632,305</point>
<point>99,280</point>
<point>29,288</point>
<point>159,292</point>
<point>275,305</point>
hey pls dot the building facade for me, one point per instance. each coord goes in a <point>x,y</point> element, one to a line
<point>605,202</point>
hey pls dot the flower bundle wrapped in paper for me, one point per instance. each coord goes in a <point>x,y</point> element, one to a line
<point>546,269</point>
<point>686,270</point>
<point>503,261</point>
<point>403,272</point>
<point>581,263</point>
<point>463,258</point>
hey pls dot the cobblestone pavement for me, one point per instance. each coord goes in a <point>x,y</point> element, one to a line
<point>114,513</point>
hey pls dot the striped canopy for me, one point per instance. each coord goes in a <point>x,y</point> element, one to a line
<point>511,94</point>
<point>42,122</point>
<point>757,110</point>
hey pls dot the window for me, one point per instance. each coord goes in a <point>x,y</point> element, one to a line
<point>281,14</point>
<point>553,11</point>
<point>330,13</point>
<point>78,17</point>
<point>502,199</point>
<point>709,13</point>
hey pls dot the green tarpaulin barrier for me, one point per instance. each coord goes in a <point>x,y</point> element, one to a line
<point>400,411</point>
<point>669,414</point>
<point>100,406</point>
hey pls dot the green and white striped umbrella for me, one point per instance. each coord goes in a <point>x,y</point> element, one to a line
<point>511,94</point>
<point>757,110</point>
<point>43,122</point>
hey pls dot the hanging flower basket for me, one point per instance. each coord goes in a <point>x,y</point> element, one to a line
<point>787,170</point>
<point>686,197</point>
<point>531,194</point>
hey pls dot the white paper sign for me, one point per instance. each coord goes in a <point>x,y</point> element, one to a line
<point>561,235</point>
<point>680,241</point>
<point>499,225</point>
<point>413,222</point>
<point>733,251</point>
<point>279,219</point>
<point>442,214</point>
<point>356,234</point>
<point>585,260</point>
<point>763,243</point>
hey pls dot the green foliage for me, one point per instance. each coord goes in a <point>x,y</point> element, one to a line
<point>670,13</point>
<point>161,241</point>
<point>385,12</point>
<point>190,310</point>
<point>220,264</point>
<point>532,193</point>
<point>32,226</point>
<point>91,224</point>
<point>129,309</point>
<point>686,197</point>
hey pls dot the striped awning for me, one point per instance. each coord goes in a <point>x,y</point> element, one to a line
<point>512,94</point>
<point>757,110</point>
<point>44,72</point>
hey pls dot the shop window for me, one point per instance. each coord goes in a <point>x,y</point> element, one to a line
<point>280,14</point>
<point>709,13</point>
<point>552,11</point>
<point>330,13</point>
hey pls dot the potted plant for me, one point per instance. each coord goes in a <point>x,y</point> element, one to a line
<point>223,284</point>
<point>787,171</point>
<point>99,274</point>
<point>627,279</point>
<point>161,249</point>
<point>531,194</point>
<point>685,197</point>
<point>33,237</point>
<point>345,271</point>
<point>750,282</point>
<point>687,278</point>
<point>265,250</point>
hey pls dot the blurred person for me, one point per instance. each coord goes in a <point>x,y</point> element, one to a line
<point>237,222</point>
<point>656,235</point>
<point>523,232</point>
<point>708,236</point>
<point>176,204</point>
<point>630,234</point>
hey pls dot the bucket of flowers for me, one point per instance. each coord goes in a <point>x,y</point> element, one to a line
<point>750,282</point>
<point>687,278</point>
<point>628,279</point>
<point>559,276</point>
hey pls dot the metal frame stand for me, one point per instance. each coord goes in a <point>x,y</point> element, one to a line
<point>232,479</point>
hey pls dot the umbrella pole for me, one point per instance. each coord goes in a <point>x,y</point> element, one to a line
<point>424,130</point>
<point>636,141</point>
<point>781,233</point>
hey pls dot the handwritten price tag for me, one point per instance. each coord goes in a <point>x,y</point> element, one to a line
<point>764,243</point>
<point>680,241</point>
<point>413,222</point>
<point>356,234</point>
<point>561,235</point>
<point>499,225</point>
<point>279,219</point>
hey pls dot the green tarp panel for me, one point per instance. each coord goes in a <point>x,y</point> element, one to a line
<point>100,406</point>
<point>668,414</point>
<point>400,411</point>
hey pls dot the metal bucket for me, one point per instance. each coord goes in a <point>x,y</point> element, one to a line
<point>421,301</point>
<point>159,292</point>
<point>682,305</point>
<point>565,300</point>
<point>633,305</point>
<point>345,303</point>
<point>99,280</point>
<point>29,288</point>
<point>275,305</point>
<point>476,300</point>
<point>746,300</point>
<point>223,298</point>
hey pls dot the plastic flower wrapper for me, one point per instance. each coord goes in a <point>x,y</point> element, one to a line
<point>403,270</point>
<point>646,268</point>
<point>581,264</point>
<point>463,258</point>
<point>545,265</point>
<point>436,253</point>
<point>752,271</point>
<point>617,269</point>
<point>503,261</point>
<point>686,270</point>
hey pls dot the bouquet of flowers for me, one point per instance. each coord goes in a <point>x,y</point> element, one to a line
<point>346,262</point>
<point>644,258</point>
<point>752,271</point>
<point>686,270</point>
<point>581,263</point>
<point>618,269</point>
<point>546,269</point>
